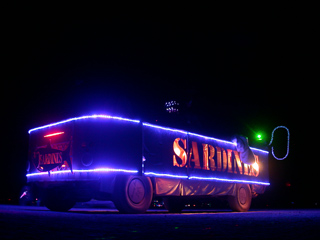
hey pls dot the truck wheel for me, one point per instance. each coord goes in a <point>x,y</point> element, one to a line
<point>241,202</point>
<point>59,199</point>
<point>132,194</point>
<point>173,204</point>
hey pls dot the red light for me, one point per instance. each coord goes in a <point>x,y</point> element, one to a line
<point>53,134</point>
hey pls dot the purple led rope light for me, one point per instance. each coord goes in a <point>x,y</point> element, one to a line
<point>102,170</point>
<point>83,117</point>
<point>153,174</point>
<point>229,180</point>
<point>164,128</point>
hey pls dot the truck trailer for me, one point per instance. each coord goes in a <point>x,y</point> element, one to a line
<point>130,162</point>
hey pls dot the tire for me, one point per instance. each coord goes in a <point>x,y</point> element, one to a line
<point>173,204</point>
<point>59,199</point>
<point>241,202</point>
<point>132,194</point>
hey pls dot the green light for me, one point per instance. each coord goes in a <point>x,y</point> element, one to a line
<point>259,137</point>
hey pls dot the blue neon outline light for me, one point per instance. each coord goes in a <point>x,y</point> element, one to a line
<point>229,180</point>
<point>96,170</point>
<point>83,117</point>
<point>164,128</point>
<point>153,174</point>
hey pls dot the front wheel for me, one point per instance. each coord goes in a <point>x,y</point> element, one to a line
<point>132,194</point>
<point>241,202</point>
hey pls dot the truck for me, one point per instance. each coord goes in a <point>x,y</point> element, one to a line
<point>131,162</point>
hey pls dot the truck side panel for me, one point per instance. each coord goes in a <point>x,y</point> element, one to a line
<point>100,143</point>
<point>185,164</point>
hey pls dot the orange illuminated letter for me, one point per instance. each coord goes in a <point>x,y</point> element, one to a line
<point>237,163</point>
<point>255,167</point>
<point>180,152</point>
<point>211,160</point>
<point>229,151</point>
<point>195,158</point>
<point>205,157</point>
<point>220,166</point>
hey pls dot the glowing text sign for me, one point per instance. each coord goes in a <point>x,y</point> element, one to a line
<point>213,158</point>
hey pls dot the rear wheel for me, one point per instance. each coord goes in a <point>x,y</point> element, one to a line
<point>59,199</point>
<point>241,202</point>
<point>132,194</point>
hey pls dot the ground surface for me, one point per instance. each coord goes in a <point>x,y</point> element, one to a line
<point>21,222</point>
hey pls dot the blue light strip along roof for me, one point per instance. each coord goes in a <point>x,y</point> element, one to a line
<point>153,174</point>
<point>83,117</point>
<point>135,121</point>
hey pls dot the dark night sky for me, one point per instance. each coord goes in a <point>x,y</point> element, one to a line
<point>231,74</point>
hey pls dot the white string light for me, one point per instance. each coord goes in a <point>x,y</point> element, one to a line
<point>288,140</point>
